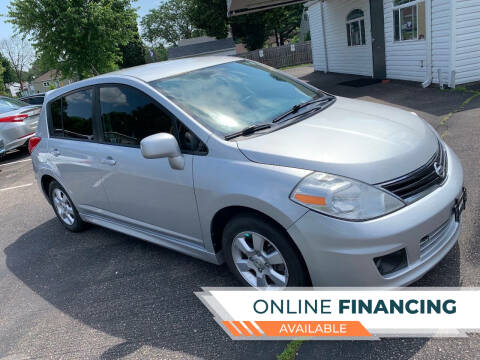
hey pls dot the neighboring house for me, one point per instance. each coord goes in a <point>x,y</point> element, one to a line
<point>202,46</point>
<point>420,40</point>
<point>45,82</point>
<point>13,88</point>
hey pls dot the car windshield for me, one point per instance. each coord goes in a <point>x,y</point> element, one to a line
<point>8,104</point>
<point>230,97</point>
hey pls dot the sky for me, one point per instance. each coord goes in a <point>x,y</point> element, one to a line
<point>6,29</point>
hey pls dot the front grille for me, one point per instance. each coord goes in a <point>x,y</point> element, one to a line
<point>419,182</point>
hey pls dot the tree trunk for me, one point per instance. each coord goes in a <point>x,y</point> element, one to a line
<point>19,76</point>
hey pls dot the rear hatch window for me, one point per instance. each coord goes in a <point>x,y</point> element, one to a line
<point>7,104</point>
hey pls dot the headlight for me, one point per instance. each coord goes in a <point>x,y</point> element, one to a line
<point>343,198</point>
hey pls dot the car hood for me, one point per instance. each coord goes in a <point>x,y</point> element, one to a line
<point>357,139</point>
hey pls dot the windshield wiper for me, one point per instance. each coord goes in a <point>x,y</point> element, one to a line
<point>297,107</point>
<point>248,130</point>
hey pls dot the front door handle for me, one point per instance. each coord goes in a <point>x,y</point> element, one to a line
<point>55,152</point>
<point>109,161</point>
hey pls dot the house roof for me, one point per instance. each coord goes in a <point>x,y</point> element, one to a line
<point>49,75</point>
<point>206,47</point>
<point>239,7</point>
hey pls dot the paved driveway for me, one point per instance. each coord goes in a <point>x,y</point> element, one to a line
<point>100,294</point>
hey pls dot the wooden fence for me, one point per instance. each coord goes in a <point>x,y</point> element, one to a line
<point>282,56</point>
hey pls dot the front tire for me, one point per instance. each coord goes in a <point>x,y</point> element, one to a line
<point>64,208</point>
<point>261,255</point>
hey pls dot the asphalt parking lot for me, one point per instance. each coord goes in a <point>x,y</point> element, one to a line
<point>101,294</point>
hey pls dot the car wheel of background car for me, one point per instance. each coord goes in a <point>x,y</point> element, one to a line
<point>64,208</point>
<point>262,255</point>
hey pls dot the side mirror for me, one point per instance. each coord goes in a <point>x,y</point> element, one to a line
<point>163,145</point>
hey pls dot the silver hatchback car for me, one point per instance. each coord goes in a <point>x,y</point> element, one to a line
<point>18,122</point>
<point>225,159</point>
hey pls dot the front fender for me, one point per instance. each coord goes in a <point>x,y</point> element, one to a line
<point>221,183</point>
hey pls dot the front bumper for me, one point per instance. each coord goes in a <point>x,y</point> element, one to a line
<point>342,253</point>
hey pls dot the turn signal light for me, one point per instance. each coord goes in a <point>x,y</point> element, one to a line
<point>33,142</point>
<point>310,199</point>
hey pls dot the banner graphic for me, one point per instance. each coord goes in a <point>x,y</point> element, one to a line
<point>344,313</point>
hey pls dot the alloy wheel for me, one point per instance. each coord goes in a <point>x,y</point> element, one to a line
<point>63,207</point>
<point>259,261</point>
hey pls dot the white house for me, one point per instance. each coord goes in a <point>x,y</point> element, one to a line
<point>419,40</point>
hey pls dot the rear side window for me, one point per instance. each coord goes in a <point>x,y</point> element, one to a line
<point>77,114</point>
<point>56,112</point>
<point>128,116</point>
<point>72,115</point>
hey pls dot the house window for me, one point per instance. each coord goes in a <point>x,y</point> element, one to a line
<point>356,28</point>
<point>408,20</point>
<point>46,84</point>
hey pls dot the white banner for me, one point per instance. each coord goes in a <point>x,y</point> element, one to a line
<point>347,313</point>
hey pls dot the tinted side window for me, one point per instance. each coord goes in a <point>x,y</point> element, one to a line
<point>128,116</point>
<point>77,114</point>
<point>56,112</point>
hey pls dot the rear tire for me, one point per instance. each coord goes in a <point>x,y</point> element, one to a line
<point>64,209</point>
<point>261,255</point>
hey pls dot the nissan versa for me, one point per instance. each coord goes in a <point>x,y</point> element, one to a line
<point>225,159</point>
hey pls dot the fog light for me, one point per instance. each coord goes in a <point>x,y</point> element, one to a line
<point>391,263</point>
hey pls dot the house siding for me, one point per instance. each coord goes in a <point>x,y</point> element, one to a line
<point>316,34</point>
<point>455,25</point>
<point>405,60</point>
<point>341,57</point>
<point>441,32</point>
<point>467,44</point>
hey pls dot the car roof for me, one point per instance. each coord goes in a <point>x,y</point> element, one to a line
<point>148,72</point>
<point>163,69</point>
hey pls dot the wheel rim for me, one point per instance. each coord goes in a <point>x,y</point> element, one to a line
<point>259,261</point>
<point>63,207</point>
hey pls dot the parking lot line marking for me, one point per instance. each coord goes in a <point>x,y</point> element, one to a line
<point>16,187</point>
<point>15,162</point>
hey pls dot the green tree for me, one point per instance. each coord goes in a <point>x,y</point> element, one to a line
<point>9,75</point>
<point>250,29</point>
<point>159,53</point>
<point>39,66</point>
<point>283,22</point>
<point>210,16</point>
<point>133,53</point>
<point>2,85</point>
<point>169,23</point>
<point>77,37</point>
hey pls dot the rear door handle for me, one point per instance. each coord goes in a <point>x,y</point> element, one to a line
<point>109,161</point>
<point>55,152</point>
